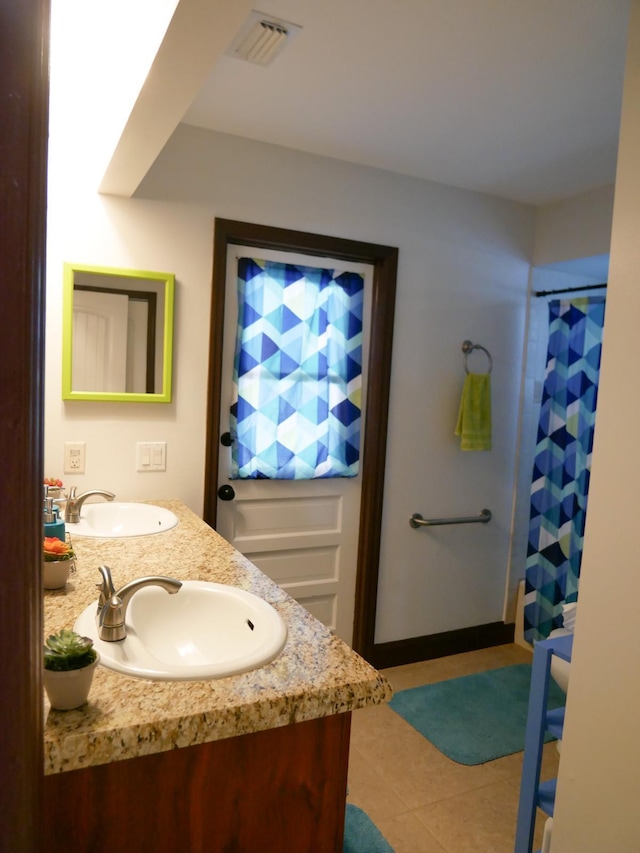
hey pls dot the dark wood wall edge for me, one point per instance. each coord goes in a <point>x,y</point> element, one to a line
<point>414,649</point>
<point>24,88</point>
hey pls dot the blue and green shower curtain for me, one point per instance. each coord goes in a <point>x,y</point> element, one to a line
<point>295,414</point>
<point>562,465</point>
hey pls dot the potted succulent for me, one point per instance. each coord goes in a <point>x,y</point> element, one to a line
<point>69,663</point>
<point>58,560</point>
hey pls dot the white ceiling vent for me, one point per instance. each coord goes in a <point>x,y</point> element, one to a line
<point>261,38</point>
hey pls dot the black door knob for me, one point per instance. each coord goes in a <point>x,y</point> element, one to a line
<point>225,439</point>
<point>226,493</point>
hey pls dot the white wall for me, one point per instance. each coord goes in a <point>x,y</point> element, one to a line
<point>462,274</point>
<point>101,53</point>
<point>597,803</point>
<point>464,260</point>
<point>135,235</point>
<point>577,227</point>
<point>86,228</point>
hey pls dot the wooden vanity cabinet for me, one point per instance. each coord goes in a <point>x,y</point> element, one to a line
<point>277,791</point>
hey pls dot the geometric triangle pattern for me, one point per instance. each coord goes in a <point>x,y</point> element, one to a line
<point>562,463</point>
<point>297,372</point>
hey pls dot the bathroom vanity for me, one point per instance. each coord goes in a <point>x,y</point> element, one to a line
<point>256,761</point>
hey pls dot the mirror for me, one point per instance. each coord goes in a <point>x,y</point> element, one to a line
<point>117,334</point>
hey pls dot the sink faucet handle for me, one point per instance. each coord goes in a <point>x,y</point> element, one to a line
<point>107,589</point>
<point>111,620</point>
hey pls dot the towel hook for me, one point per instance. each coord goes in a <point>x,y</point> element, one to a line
<point>468,347</point>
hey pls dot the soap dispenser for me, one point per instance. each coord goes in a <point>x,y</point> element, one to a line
<point>53,524</point>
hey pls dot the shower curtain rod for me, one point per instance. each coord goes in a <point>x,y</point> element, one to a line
<point>570,289</point>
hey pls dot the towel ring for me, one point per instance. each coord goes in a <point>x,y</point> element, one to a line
<point>468,347</point>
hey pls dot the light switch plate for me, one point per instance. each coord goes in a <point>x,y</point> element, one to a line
<point>151,456</point>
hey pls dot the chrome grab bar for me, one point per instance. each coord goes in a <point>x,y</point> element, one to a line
<point>417,520</point>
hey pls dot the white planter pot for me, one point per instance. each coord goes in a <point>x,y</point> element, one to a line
<point>56,573</point>
<point>68,690</point>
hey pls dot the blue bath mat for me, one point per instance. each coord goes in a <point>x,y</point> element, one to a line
<point>361,835</point>
<point>475,718</point>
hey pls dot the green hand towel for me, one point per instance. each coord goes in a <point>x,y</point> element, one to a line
<point>474,417</point>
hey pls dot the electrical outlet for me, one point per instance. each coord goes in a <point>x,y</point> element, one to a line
<point>151,456</point>
<point>74,457</point>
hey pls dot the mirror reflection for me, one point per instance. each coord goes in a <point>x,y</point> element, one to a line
<point>117,334</point>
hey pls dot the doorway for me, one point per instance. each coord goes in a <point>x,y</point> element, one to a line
<point>289,472</point>
<point>383,260</point>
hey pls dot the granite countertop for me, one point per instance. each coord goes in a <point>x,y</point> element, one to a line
<point>316,674</point>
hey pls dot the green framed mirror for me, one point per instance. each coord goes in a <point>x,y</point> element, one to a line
<point>117,334</point>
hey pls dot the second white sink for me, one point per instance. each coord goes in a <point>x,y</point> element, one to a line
<point>206,630</point>
<point>117,520</point>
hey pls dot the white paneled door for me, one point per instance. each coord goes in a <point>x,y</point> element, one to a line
<point>99,341</point>
<point>302,533</point>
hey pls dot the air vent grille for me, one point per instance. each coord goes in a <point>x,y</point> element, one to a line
<point>262,38</point>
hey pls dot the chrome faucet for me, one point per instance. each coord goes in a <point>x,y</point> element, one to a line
<point>74,503</point>
<point>112,605</point>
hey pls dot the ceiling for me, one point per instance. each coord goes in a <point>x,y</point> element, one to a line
<point>516,98</point>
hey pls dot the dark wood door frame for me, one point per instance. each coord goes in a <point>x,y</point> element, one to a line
<point>24,50</point>
<point>384,260</point>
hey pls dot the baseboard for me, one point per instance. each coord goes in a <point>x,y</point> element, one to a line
<point>415,649</point>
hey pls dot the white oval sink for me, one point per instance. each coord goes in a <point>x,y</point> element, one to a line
<point>206,630</point>
<point>116,520</point>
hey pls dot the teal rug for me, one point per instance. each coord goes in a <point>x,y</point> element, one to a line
<point>475,718</point>
<point>361,835</point>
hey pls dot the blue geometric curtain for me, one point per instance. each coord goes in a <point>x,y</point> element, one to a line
<point>297,372</point>
<point>562,464</point>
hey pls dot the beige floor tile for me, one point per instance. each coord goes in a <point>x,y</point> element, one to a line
<point>483,659</point>
<point>550,761</point>
<point>407,834</point>
<point>369,791</point>
<point>418,772</point>
<point>375,723</point>
<point>416,674</point>
<point>420,800</point>
<point>511,765</point>
<point>484,819</point>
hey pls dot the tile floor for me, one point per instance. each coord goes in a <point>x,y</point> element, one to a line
<point>422,801</point>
